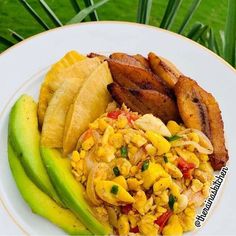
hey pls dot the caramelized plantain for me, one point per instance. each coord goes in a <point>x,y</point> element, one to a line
<point>145,101</point>
<point>134,77</point>
<point>164,69</point>
<point>199,109</point>
<point>143,60</point>
<point>125,58</point>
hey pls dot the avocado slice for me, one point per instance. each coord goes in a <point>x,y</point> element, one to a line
<point>42,204</point>
<point>70,191</point>
<point>24,137</point>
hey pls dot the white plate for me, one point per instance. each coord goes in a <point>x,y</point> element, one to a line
<point>22,68</point>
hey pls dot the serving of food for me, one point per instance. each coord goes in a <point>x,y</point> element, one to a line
<point>116,145</point>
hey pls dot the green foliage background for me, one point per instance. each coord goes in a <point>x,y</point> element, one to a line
<point>14,16</point>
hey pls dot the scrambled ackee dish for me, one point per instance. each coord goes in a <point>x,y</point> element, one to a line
<point>141,175</point>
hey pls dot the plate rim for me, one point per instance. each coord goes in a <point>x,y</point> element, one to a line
<point>220,59</point>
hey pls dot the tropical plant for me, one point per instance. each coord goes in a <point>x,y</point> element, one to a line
<point>224,46</point>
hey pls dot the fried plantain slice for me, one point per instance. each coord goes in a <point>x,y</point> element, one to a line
<point>145,101</point>
<point>126,59</point>
<point>199,109</point>
<point>143,60</point>
<point>134,77</point>
<point>102,58</point>
<point>164,69</point>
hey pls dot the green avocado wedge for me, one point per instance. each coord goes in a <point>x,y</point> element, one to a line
<point>42,204</point>
<point>24,137</point>
<point>70,191</point>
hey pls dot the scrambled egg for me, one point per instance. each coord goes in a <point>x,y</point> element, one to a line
<point>144,175</point>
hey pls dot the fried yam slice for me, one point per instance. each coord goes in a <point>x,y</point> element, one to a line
<point>63,97</point>
<point>145,101</point>
<point>46,91</point>
<point>89,104</point>
<point>125,58</point>
<point>143,60</point>
<point>164,69</point>
<point>199,109</point>
<point>134,77</point>
<point>102,58</point>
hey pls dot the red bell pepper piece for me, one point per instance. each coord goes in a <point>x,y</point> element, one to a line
<point>162,220</point>
<point>126,209</point>
<point>185,167</point>
<point>114,114</point>
<point>134,230</point>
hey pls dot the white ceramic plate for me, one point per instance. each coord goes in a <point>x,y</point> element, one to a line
<point>23,67</point>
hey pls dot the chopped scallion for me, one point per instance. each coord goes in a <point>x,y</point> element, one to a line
<point>145,165</point>
<point>173,138</point>
<point>124,151</point>
<point>116,171</point>
<point>114,189</point>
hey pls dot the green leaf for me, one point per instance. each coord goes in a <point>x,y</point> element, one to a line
<point>144,10</point>
<point>93,15</point>
<point>189,15</point>
<point>15,35</point>
<point>166,14</point>
<point>230,33</point>
<point>170,13</point>
<point>85,12</point>
<point>75,5</point>
<point>50,13</point>
<point>34,14</point>
<point>197,31</point>
<point>6,42</point>
<point>195,28</point>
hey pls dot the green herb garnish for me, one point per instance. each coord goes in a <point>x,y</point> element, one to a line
<point>116,171</point>
<point>124,151</point>
<point>145,165</point>
<point>172,201</point>
<point>114,189</point>
<point>165,159</point>
<point>173,138</point>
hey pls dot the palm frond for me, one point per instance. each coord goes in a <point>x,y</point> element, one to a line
<point>195,28</point>
<point>144,10</point>
<point>85,12</point>
<point>230,33</point>
<point>75,5</point>
<point>6,41</point>
<point>189,15</point>
<point>34,14</point>
<point>93,15</point>
<point>16,35</point>
<point>50,13</point>
<point>170,13</point>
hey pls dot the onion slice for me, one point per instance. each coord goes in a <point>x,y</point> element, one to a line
<point>206,149</point>
<point>98,172</point>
